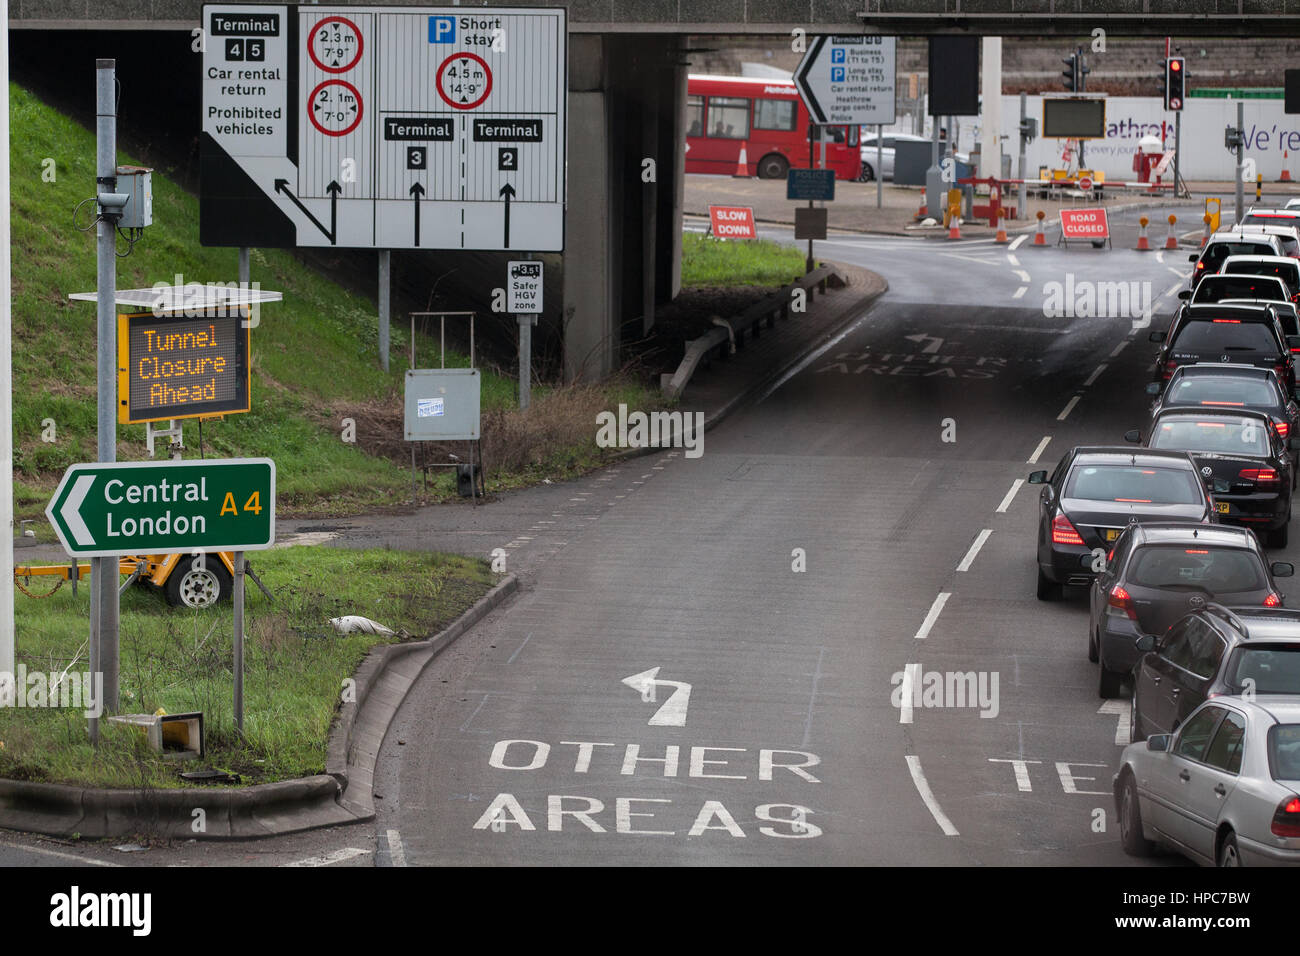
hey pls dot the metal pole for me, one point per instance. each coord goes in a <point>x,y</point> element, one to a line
<point>238,596</point>
<point>105,577</point>
<point>1178,151</point>
<point>525,359</point>
<point>244,268</point>
<point>385,274</point>
<point>1241,157</point>
<point>812,164</point>
<point>7,686</point>
<point>880,166</point>
<point>1021,197</point>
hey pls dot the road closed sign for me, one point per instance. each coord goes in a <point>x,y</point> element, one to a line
<point>1084,224</point>
<point>733,222</point>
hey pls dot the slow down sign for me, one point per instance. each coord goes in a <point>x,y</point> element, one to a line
<point>733,222</point>
<point>101,510</point>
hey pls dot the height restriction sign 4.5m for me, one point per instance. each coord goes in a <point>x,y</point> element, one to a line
<point>383,127</point>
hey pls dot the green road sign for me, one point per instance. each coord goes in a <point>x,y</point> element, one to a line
<point>164,507</point>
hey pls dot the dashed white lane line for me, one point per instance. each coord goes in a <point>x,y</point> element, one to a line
<point>1177,272</point>
<point>1171,290</point>
<point>1012,259</point>
<point>932,615</point>
<point>329,859</point>
<point>974,549</point>
<point>57,854</point>
<point>1016,242</point>
<point>1042,446</point>
<point>1160,256</point>
<point>520,648</point>
<point>1069,407</point>
<point>1119,348</point>
<point>927,797</point>
<point>1023,276</point>
<point>396,852</point>
<point>1006,502</point>
<point>911,674</point>
<point>1019,292</point>
<point>1096,372</point>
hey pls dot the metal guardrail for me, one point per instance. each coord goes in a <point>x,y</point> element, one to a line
<point>729,336</point>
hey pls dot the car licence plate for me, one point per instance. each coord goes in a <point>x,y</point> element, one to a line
<point>1221,507</point>
<point>1110,534</point>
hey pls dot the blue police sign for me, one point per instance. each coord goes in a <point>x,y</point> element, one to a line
<point>810,184</point>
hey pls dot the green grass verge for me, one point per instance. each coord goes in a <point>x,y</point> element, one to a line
<point>181,660</point>
<point>707,261</point>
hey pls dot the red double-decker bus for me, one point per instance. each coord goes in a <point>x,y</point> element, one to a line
<point>764,119</point>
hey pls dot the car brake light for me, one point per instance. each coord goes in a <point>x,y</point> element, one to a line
<point>1261,476</point>
<point>1169,368</point>
<point>1286,821</point>
<point>1229,321</point>
<point>1191,551</point>
<point>1273,600</point>
<point>1119,598</point>
<point>1063,532</point>
<point>1283,429</point>
<point>1223,403</point>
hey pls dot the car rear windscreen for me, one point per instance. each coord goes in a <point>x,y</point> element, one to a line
<point>1135,484</point>
<point>1216,252</point>
<point>1226,436</point>
<point>1274,668</point>
<point>1217,570</point>
<point>1270,219</point>
<point>1288,273</point>
<point>1203,335</point>
<point>1284,751</point>
<point>1222,390</point>
<point>1218,288</point>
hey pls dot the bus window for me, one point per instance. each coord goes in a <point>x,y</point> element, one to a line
<point>774,114</point>
<point>728,117</point>
<point>694,116</point>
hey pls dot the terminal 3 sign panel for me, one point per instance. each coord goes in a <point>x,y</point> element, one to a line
<point>383,127</point>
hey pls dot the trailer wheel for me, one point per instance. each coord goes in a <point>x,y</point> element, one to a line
<point>198,588</point>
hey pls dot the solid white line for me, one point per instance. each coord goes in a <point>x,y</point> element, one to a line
<point>1019,292</point>
<point>1015,243</point>
<point>1012,259</point>
<point>932,616</point>
<point>1119,348</point>
<point>57,854</point>
<point>396,852</point>
<point>1069,407</point>
<point>1093,377</point>
<point>1042,445</point>
<point>1006,502</point>
<point>974,549</point>
<point>329,859</point>
<point>1022,275</point>
<point>931,804</point>
<point>1171,290</point>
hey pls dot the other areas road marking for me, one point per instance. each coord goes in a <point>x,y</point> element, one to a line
<point>1006,502</point>
<point>329,859</point>
<point>1096,372</point>
<point>1042,445</point>
<point>1069,407</point>
<point>1123,715</point>
<point>974,549</point>
<point>933,615</point>
<point>396,852</point>
<point>931,804</point>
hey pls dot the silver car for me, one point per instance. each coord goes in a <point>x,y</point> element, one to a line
<point>1224,789</point>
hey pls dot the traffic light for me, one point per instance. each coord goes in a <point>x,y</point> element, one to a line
<point>1083,72</point>
<point>1070,75</point>
<point>1175,82</point>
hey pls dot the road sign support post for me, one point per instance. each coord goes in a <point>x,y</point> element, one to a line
<point>237,595</point>
<point>525,360</point>
<point>104,581</point>
<point>7,688</point>
<point>385,277</point>
<point>1241,159</point>
<point>1178,151</point>
<point>244,269</point>
<point>812,164</point>
<point>880,165</point>
<point>1021,196</point>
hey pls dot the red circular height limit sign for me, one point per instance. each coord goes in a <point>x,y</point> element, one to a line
<point>335,44</point>
<point>335,107</point>
<point>464,81</point>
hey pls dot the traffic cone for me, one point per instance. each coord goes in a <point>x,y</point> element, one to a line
<point>1206,237</point>
<point>1144,244</point>
<point>922,213</point>
<point>1002,226</point>
<point>742,165</point>
<point>1171,241</point>
<point>1286,173</point>
<point>1040,237</point>
<point>954,231</point>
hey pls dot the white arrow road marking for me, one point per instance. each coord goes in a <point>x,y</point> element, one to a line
<point>71,511</point>
<point>935,343</point>
<point>396,852</point>
<point>329,859</point>
<point>673,711</point>
<point>1120,708</point>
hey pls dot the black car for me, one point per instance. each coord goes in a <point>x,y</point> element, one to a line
<point>1223,244</point>
<point>1159,572</point>
<point>1097,492</point>
<point>1240,334</point>
<point>1225,386</point>
<point>1244,457</point>
<point>1213,651</point>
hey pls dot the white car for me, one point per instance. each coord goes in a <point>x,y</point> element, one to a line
<point>1223,789</point>
<point>1285,268</point>
<point>869,150</point>
<point>1292,203</point>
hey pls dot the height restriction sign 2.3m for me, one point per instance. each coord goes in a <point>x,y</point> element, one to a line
<point>383,127</point>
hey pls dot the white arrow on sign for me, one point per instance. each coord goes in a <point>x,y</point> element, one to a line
<point>1121,710</point>
<point>71,510</point>
<point>673,711</point>
<point>920,337</point>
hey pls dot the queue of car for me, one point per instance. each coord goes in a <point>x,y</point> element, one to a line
<point>1169,534</point>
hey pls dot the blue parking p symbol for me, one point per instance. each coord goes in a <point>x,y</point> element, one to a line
<point>837,74</point>
<point>442,29</point>
<point>837,54</point>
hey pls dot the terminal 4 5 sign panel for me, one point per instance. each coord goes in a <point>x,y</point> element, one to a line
<point>383,127</point>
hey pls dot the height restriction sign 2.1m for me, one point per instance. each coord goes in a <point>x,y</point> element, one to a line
<point>383,127</point>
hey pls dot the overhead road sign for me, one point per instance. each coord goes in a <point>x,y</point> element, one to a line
<point>384,127</point>
<point>812,184</point>
<point>169,507</point>
<point>849,79</point>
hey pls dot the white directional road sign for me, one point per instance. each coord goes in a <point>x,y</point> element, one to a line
<point>384,127</point>
<point>524,281</point>
<point>849,79</point>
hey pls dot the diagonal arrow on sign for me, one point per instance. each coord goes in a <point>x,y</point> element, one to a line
<point>71,510</point>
